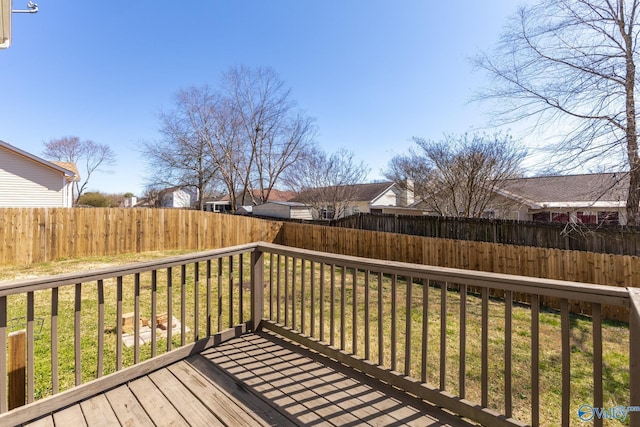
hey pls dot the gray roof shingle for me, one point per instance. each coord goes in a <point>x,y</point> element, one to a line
<point>605,187</point>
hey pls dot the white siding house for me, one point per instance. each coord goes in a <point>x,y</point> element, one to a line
<point>291,210</point>
<point>29,181</point>
<point>178,197</point>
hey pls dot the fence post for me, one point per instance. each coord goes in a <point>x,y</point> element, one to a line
<point>17,369</point>
<point>257,288</point>
<point>634,354</point>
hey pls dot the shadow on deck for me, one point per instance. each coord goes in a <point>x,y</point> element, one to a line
<point>256,379</point>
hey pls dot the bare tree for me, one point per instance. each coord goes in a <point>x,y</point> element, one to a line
<point>249,129</point>
<point>182,157</point>
<point>458,175</point>
<point>570,65</point>
<point>271,131</point>
<point>89,157</point>
<point>327,183</point>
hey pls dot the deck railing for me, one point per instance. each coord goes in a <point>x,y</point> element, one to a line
<point>82,326</point>
<point>457,338</point>
<point>453,337</point>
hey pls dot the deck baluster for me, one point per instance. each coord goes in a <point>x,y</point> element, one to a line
<point>271,270</point>
<point>425,328</point>
<point>354,313</point>
<point>484,374</point>
<point>286,291</point>
<point>508,314</point>
<point>196,301</point>
<point>462,373</point>
<point>312,306</point>
<point>443,335</point>
<point>408,319</point>
<point>240,288</point>
<point>321,308</point>
<point>118,325</point>
<point>294,274</point>
<point>154,311</point>
<point>332,304</point>
<point>30,348</point>
<point>230,292</point>
<point>535,360</point>
<point>380,321</point>
<point>367,317</point>
<point>565,327</point>
<point>169,308</point>
<point>343,297</point>
<point>54,339</point>
<point>596,319</point>
<point>183,304</point>
<point>303,275</point>
<point>394,308</point>
<point>76,331</point>
<point>278,304</point>
<point>208,299</point>
<point>136,317</point>
<point>220,302</point>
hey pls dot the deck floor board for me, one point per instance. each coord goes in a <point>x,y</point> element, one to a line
<point>259,379</point>
<point>98,412</point>
<point>127,408</point>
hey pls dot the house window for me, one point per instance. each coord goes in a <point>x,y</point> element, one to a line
<point>608,218</point>
<point>541,216</point>
<point>562,217</point>
<point>326,213</point>
<point>586,218</point>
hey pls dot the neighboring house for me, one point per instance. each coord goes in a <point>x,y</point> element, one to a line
<point>587,198</point>
<point>223,203</point>
<point>177,197</point>
<point>363,198</point>
<point>27,180</point>
<point>288,210</point>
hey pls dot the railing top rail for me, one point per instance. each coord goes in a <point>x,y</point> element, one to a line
<point>48,282</point>
<point>589,292</point>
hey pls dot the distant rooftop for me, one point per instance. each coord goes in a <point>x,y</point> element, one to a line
<point>605,187</point>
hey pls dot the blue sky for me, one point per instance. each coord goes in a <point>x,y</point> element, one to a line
<point>373,73</point>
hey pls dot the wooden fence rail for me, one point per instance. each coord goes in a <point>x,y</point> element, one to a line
<point>593,238</point>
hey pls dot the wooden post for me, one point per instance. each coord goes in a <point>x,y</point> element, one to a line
<point>17,369</point>
<point>634,356</point>
<point>257,289</point>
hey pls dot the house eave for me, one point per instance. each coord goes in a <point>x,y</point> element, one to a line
<point>584,204</point>
<point>37,159</point>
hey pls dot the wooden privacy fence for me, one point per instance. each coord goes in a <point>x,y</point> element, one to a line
<point>585,267</point>
<point>47,234</point>
<point>593,238</point>
<point>40,235</point>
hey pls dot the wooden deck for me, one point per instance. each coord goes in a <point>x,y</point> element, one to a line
<point>257,379</point>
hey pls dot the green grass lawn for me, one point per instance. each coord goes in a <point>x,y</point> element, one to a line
<point>615,335</point>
